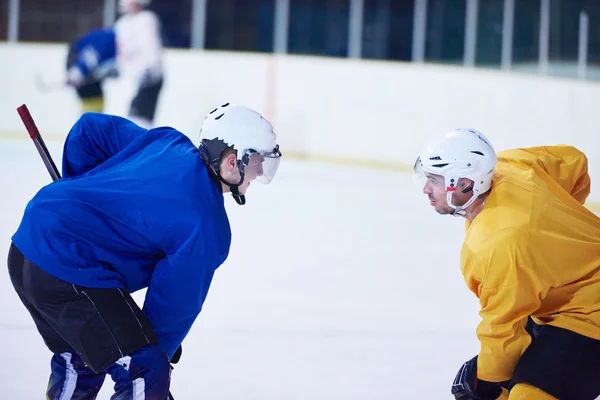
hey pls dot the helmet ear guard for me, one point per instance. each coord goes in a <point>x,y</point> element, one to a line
<point>467,188</point>
<point>211,151</point>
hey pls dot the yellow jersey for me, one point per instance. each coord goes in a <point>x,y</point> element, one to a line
<point>534,250</point>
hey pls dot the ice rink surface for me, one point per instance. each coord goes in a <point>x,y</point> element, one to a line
<point>342,283</point>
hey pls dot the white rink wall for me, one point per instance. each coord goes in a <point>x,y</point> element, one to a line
<point>375,111</point>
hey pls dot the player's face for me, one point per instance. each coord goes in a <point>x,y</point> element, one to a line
<point>435,189</point>
<point>231,173</point>
<point>253,170</point>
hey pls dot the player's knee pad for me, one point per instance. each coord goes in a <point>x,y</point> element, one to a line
<point>92,104</point>
<point>146,371</point>
<point>523,391</point>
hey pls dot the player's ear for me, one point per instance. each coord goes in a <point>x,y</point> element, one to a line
<point>231,161</point>
<point>228,161</point>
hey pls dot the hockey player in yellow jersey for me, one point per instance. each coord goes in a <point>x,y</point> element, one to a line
<point>531,255</point>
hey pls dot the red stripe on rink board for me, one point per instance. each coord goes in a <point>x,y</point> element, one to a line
<point>354,162</point>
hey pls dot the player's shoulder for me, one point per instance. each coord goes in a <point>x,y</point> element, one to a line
<point>492,236</point>
<point>509,237</point>
<point>498,226</point>
<point>508,206</point>
<point>169,133</point>
<point>91,121</point>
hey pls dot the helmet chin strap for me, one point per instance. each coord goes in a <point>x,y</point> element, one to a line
<point>235,188</point>
<point>460,211</point>
<point>239,198</point>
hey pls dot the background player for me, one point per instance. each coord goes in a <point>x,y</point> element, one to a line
<point>140,57</point>
<point>90,60</point>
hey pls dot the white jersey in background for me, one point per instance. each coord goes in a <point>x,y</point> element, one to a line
<point>139,46</point>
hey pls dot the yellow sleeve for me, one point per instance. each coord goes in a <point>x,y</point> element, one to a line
<point>563,164</point>
<point>508,294</point>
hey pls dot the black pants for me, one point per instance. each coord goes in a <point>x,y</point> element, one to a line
<point>144,103</point>
<point>560,362</point>
<point>100,325</point>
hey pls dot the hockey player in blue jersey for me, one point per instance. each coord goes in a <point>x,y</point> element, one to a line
<point>91,59</point>
<point>135,209</point>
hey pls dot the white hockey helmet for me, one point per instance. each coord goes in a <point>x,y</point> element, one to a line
<point>459,153</point>
<point>246,131</point>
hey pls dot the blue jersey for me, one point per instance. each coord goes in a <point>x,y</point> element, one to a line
<point>136,208</point>
<point>96,53</point>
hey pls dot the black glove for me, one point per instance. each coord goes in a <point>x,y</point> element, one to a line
<point>177,355</point>
<point>466,386</point>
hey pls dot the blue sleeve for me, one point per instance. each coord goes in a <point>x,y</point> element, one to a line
<point>178,288</point>
<point>94,139</point>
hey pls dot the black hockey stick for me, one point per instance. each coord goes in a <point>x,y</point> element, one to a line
<point>35,135</point>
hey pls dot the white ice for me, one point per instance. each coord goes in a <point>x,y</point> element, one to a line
<point>342,283</point>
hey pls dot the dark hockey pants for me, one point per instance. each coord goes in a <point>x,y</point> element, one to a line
<point>560,362</point>
<point>92,332</point>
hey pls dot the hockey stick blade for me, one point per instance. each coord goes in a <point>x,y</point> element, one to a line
<point>46,86</point>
